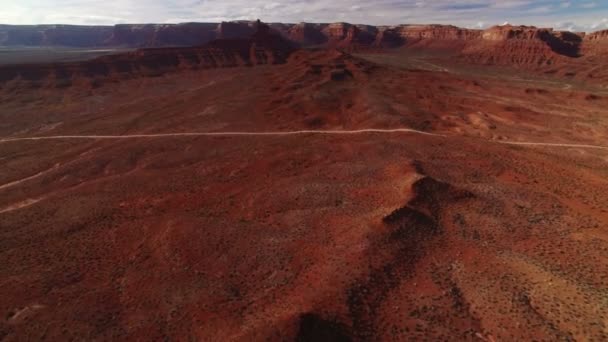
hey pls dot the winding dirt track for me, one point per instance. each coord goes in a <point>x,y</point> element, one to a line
<point>285,133</point>
<point>220,134</point>
<point>523,143</point>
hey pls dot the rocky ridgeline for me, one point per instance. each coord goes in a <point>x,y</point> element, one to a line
<point>263,46</point>
<point>228,44</point>
<point>440,32</point>
<point>598,36</point>
<point>523,45</point>
<point>497,45</point>
<point>596,43</point>
<point>192,34</point>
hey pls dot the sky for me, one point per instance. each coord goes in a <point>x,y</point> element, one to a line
<point>574,15</point>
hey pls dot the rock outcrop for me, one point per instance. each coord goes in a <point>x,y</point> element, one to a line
<point>596,43</point>
<point>437,32</point>
<point>388,37</point>
<point>522,45</point>
<point>350,36</point>
<point>597,36</point>
<point>307,34</point>
<point>233,30</point>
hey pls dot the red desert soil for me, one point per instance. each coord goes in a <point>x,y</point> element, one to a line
<point>311,237</point>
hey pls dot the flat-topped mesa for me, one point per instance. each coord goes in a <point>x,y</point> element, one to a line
<point>264,46</point>
<point>531,44</point>
<point>54,35</point>
<point>307,34</point>
<point>438,32</point>
<point>508,32</point>
<point>133,35</point>
<point>360,36</point>
<point>234,29</point>
<point>388,37</point>
<point>268,46</point>
<point>350,36</point>
<point>157,35</point>
<point>336,31</point>
<point>364,34</point>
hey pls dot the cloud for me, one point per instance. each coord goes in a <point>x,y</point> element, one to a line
<point>468,13</point>
<point>589,5</point>
<point>600,25</point>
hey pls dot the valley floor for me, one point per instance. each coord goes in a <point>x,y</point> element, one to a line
<point>424,214</point>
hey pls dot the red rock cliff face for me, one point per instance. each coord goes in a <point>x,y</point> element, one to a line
<point>307,34</point>
<point>232,30</point>
<point>437,37</point>
<point>562,43</point>
<point>438,32</point>
<point>597,36</point>
<point>336,31</point>
<point>508,32</point>
<point>388,37</point>
<point>596,43</point>
<point>359,36</point>
<point>504,45</point>
<point>263,47</point>
<point>522,45</point>
<point>350,37</point>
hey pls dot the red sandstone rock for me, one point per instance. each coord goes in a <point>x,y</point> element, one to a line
<point>388,37</point>
<point>596,43</point>
<point>307,34</point>
<point>597,36</point>
<point>541,49</point>
<point>438,32</point>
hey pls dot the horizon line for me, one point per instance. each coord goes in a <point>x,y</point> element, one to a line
<point>306,22</point>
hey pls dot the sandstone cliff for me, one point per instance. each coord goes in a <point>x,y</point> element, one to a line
<point>229,43</point>
<point>596,43</point>
<point>264,46</point>
<point>520,45</point>
<point>305,34</point>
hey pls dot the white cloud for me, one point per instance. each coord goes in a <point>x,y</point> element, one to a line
<point>589,5</point>
<point>600,25</point>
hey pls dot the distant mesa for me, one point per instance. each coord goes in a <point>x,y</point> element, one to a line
<point>170,47</point>
<point>193,34</point>
<point>262,46</point>
<point>598,36</point>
